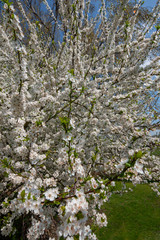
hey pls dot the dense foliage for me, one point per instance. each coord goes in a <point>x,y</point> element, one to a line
<point>75,121</point>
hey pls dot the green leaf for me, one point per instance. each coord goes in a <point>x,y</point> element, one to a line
<point>42,189</point>
<point>57,203</point>
<point>54,67</point>
<point>6,174</point>
<point>105,181</point>
<point>127,23</point>
<point>72,37</point>
<point>87,179</point>
<point>7,2</point>
<point>32,51</point>
<point>63,210</point>
<point>65,123</point>
<point>71,71</point>
<point>94,48</point>
<point>139,154</point>
<point>38,123</point>
<point>128,164</point>
<point>82,89</point>
<point>5,204</point>
<point>157,27</point>
<point>74,7</point>
<point>75,154</point>
<point>34,198</point>
<point>68,221</point>
<point>134,138</point>
<point>29,195</point>
<point>26,139</point>
<point>102,195</point>
<point>12,16</point>
<point>5,163</point>
<point>23,196</point>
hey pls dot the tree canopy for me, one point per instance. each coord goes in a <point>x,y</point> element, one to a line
<point>75,114</point>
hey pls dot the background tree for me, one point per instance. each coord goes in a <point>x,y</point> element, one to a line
<point>73,121</point>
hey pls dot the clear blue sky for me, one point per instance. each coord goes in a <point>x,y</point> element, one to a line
<point>149,3</point>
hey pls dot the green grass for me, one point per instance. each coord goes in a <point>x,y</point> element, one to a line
<point>132,216</point>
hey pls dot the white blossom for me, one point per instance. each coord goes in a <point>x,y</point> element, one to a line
<point>51,194</point>
<point>75,115</point>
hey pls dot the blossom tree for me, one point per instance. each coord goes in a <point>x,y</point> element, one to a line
<point>74,123</point>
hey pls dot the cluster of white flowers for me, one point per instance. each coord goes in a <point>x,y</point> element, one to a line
<point>74,216</point>
<point>78,168</point>
<point>101,220</point>
<point>74,122</point>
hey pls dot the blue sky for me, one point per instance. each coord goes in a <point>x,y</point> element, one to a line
<point>149,3</point>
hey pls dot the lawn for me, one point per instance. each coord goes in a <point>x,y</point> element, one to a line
<point>132,216</point>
